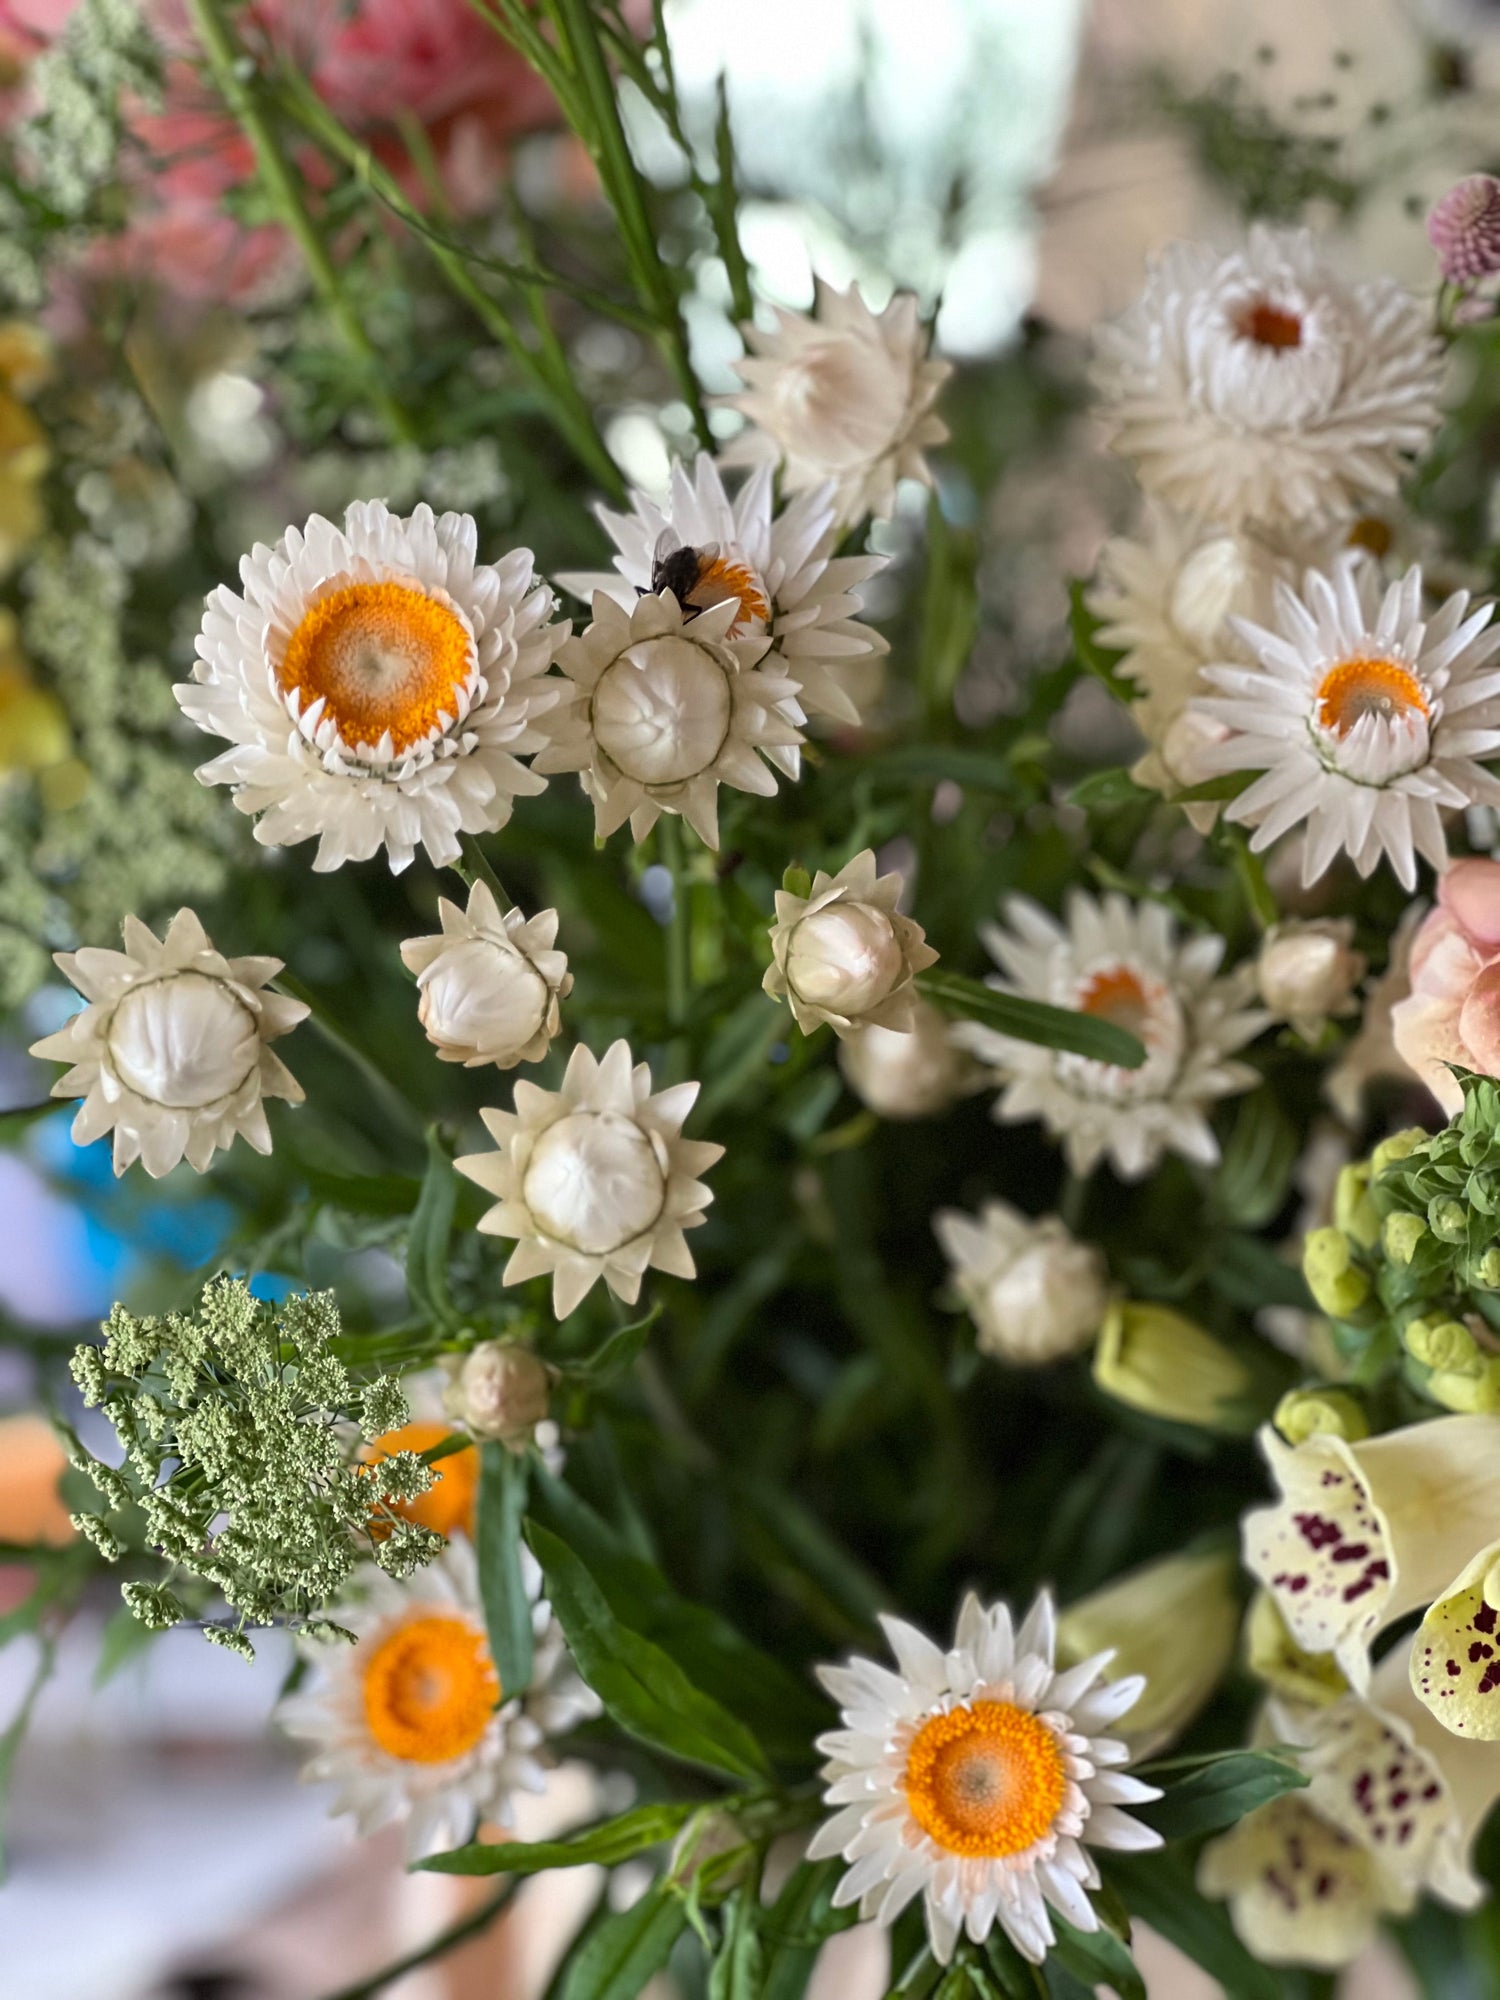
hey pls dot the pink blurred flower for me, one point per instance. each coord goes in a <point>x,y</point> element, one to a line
<point>1464,229</point>
<point>1453,1012</point>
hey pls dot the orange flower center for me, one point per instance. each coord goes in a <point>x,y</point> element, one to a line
<point>1117,995</point>
<point>1354,689</point>
<point>385,657</point>
<point>448,1504</point>
<point>1371,533</point>
<point>719,580</point>
<point>430,1689</point>
<point>1269,326</point>
<point>985,1781</point>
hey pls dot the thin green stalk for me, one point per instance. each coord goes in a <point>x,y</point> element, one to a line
<point>475,867</point>
<point>603,132</point>
<point>445,1941</point>
<point>232,76</point>
<point>548,371</point>
<point>679,961</point>
<point>393,1098</point>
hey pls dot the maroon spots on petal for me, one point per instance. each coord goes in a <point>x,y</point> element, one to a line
<point>1454,1668</point>
<point>1480,1651</point>
<point>1317,1530</point>
<point>1351,1552</point>
<point>1484,1618</point>
<point>1490,1679</point>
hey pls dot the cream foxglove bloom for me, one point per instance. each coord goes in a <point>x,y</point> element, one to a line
<point>1175,1622</point>
<point>1390,1813</point>
<point>594,1180</point>
<point>666,707</point>
<point>411,1722</point>
<point>1455,1655</point>
<point>914,1072</point>
<point>490,982</point>
<point>1364,716</point>
<point>1034,1292</point>
<point>377,684</point>
<point>845,399</point>
<point>172,1054</point>
<point>779,569</point>
<point>1307,973</point>
<point>1365,1532</point>
<point>1119,962</point>
<point>845,954</point>
<point>1261,386</point>
<point>978,1778</point>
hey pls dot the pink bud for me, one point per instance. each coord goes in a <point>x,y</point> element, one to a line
<point>1464,229</point>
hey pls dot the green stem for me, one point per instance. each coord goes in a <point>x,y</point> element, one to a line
<point>232,77</point>
<point>475,867</point>
<point>679,957</point>
<point>456,1934</point>
<point>390,1095</point>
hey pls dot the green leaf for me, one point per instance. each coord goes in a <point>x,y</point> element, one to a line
<point>615,1354</point>
<point>1097,1958</point>
<point>610,1842</point>
<point>1215,1791</point>
<point>123,1639</point>
<point>628,1948</point>
<point>1159,1889</point>
<point>949,611</point>
<point>427,1240</point>
<point>502,1588</point>
<point>930,763</point>
<point>1033,1020</point>
<point>1016,1977</point>
<point>1259,1157</point>
<point>642,1687</point>
<point>798,1924</point>
<point>1214,790</point>
<point>739,1967</point>
<point>1106,791</point>
<point>784,1712</point>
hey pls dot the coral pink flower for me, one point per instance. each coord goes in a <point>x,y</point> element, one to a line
<point>1453,1012</point>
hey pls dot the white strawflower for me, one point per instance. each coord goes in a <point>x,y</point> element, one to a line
<point>594,1180</point>
<point>664,708</point>
<point>845,399</point>
<point>977,1778</point>
<point>1259,385</point>
<point>411,1722</point>
<point>912,1072</point>
<point>1034,1292</point>
<point>1119,962</point>
<point>377,684</point>
<point>845,954</point>
<point>499,1389</point>
<point>172,1053</point>
<point>490,982</point>
<point>1165,599</point>
<point>1365,717</point>
<point>779,568</point>
<point>1307,972</point>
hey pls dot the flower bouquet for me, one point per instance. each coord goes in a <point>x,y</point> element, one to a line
<point>882,1233</point>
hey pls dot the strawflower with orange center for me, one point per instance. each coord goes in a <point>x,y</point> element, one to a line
<point>985,1754</point>
<point>1269,325</point>
<point>447,1506</point>
<point>1366,718</point>
<point>430,1689</point>
<point>386,660</point>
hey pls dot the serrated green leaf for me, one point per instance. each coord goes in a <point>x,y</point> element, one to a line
<point>642,1687</point>
<point>502,1588</point>
<point>628,1948</point>
<point>427,1240</point>
<point>1216,1791</point>
<point>1033,1020</point>
<point>607,1844</point>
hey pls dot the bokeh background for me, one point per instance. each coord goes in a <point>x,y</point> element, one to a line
<point>1015,161</point>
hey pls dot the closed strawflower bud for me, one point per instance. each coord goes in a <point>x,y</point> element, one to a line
<point>1175,1621</point>
<point>844,954</point>
<point>1336,1282</point>
<point>1034,1292</point>
<point>1321,1412</point>
<point>490,982</point>
<point>1307,973</point>
<point>499,1390</point>
<point>908,1073</point>
<point>1167,1366</point>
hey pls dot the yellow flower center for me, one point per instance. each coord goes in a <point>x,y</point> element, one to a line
<point>720,580</point>
<point>1354,689</point>
<point>448,1503</point>
<point>1116,995</point>
<point>985,1781</point>
<point>1269,326</point>
<point>430,1689</point>
<point>384,657</point>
